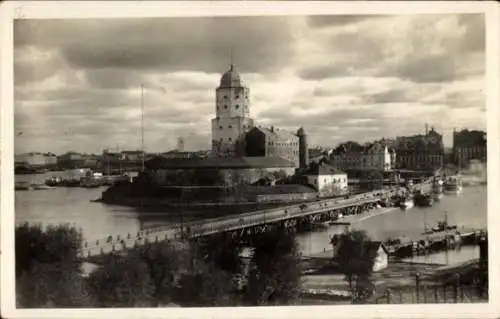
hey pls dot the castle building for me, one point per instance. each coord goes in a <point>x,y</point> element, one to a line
<point>234,133</point>
<point>232,116</point>
<point>273,142</point>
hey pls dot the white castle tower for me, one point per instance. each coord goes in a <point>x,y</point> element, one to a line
<point>232,116</point>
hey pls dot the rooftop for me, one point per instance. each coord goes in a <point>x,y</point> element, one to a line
<point>276,133</point>
<point>323,169</point>
<point>160,162</point>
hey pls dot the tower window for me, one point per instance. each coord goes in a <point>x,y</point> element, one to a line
<point>237,106</point>
<point>225,106</point>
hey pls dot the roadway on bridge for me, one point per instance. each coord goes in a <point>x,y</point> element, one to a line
<point>230,223</point>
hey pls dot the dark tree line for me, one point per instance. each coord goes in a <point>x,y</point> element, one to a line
<point>208,272</point>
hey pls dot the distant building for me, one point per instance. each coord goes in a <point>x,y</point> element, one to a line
<point>467,146</point>
<point>272,143</point>
<point>327,179</point>
<point>132,156</point>
<point>36,159</point>
<point>371,156</point>
<point>420,152</point>
<point>70,160</point>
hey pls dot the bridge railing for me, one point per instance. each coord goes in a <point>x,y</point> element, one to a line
<point>250,219</point>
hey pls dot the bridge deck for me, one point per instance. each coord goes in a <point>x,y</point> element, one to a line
<point>234,222</point>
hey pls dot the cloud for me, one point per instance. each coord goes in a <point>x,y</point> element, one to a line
<point>77,82</point>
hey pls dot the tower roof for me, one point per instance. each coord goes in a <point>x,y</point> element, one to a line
<point>301,131</point>
<point>230,79</point>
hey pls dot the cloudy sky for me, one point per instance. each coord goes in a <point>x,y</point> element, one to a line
<point>341,77</point>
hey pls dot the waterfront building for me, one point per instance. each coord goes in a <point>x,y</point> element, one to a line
<point>226,171</point>
<point>467,146</point>
<point>272,142</point>
<point>327,179</point>
<point>371,156</point>
<point>131,156</point>
<point>420,152</point>
<point>36,159</point>
<point>232,115</point>
<point>70,160</point>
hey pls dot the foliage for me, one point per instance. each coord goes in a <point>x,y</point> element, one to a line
<point>52,245</point>
<point>164,261</point>
<point>274,277</point>
<point>223,251</point>
<point>52,285</point>
<point>207,285</point>
<point>355,261</point>
<point>122,282</point>
<point>47,267</point>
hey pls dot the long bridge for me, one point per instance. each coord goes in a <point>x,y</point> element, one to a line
<point>246,224</point>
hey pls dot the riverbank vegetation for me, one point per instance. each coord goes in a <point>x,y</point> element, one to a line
<point>210,272</point>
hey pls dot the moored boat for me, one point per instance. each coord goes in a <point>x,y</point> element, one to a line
<point>453,184</point>
<point>39,187</point>
<point>423,200</point>
<point>22,186</point>
<point>406,202</point>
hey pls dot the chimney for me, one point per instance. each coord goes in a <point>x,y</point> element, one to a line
<point>426,128</point>
<point>272,129</point>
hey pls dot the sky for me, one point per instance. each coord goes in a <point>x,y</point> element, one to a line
<point>359,78</point>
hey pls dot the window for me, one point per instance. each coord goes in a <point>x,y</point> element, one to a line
<point>237,96</point>
<point>225,97</point>
<point>225,107</point>
<point>220,127</point>
<point>221,139</point>
<point>237,106</point>
<point>230,139</point>
<point>229,126</point>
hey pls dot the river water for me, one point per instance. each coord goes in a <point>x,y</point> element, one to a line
<point>97,220</point>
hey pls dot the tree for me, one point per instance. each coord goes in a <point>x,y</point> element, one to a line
<point>206,286</point>
<point>48,270</point>
<point>355,260</point>
<point>275,276</point>
<point>165,262</point>
<point>122,281</point>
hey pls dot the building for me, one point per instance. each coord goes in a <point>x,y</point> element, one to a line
<point>132,156</point>
<point>371,156</point>
<point>36,159</point>
<point>326,179</point>
<point>467,146</point>
<point>420,152</point>
<point>70,160</point>
<point>232,115</point>
<point>235,135</point>
<point>227,171</point>
<point>272,142</point>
